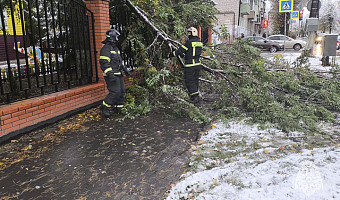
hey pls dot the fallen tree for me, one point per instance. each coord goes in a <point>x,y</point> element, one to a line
<point>237,83</point>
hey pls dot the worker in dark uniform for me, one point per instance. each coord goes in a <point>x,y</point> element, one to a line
<point>191,51</point>
<point>113,68</point>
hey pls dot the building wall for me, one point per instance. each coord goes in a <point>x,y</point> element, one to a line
<point>228,15</point>
<point>10,33</point>
<point>8,21</point>
<point>10,48</point>
<point>227,6</point>
<point>237,23</point>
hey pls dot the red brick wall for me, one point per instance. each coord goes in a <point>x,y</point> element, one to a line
<point>29,112</point>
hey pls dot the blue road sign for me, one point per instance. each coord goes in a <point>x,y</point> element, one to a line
<point>295,15</point>
<point>286,6</point>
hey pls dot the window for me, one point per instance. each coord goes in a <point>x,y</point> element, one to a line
<point>284,38</point>
<point>257,38</point>
<point>204,35</point>
<point>274,38</point>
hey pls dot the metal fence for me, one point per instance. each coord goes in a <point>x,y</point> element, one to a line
<point>119,20</point>
<point>45,47</point>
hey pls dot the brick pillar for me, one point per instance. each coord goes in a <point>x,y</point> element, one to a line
<point>210,32</point>
<point>199,30</point>
<point>100,10</point>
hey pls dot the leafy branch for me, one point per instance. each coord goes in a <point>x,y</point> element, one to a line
<point>236,81</point>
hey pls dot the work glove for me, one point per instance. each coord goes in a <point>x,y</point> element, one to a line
<point>171,54</point>
<point>112,76</point>
<point>127,73</point>
<point>172,51</point>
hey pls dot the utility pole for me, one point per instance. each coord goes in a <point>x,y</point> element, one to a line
<point>330,19</point>
<point>314,13</point>
<point>284,33</point>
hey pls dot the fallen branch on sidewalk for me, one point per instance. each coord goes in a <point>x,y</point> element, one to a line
<point>241,82</point>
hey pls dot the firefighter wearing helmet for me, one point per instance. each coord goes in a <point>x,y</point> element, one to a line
<point>112,65</point>
<point>191,51</point>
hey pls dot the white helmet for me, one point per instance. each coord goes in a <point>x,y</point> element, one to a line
<point>193,31</point>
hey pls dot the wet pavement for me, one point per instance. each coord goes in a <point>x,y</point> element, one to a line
<point>87,157</point>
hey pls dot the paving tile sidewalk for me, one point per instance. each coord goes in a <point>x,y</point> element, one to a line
<point>98,158</point>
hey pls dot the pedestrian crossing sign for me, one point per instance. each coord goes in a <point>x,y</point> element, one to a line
<point>286,6</point>
<point>295,15</point>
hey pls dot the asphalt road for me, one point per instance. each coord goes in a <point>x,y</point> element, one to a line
<point>98,158</point>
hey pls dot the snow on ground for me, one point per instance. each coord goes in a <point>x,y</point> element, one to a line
<point>240,162</point>
<point>237,161</point>
<point>291,56</point>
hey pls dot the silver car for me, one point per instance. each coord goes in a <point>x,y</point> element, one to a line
<point>288,42</point>
<point>263,43</point>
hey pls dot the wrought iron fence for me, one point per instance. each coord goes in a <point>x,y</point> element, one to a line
<point>45,47</point>
<point>119,20</point>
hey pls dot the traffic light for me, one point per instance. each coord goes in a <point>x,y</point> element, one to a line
<point>265,23</point>
<point>300,14</point>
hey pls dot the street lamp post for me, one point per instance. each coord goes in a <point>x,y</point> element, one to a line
<point>330,19</point>
<point>285,27</point>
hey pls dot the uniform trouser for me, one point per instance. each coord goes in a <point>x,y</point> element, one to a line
<point>116,89</point>
<point>191,75</point>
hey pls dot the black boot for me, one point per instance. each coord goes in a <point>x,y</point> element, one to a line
<point>118,110</point>
<point>105,111</point>
<point>196,100</point>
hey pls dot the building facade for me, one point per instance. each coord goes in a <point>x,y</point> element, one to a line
<point>9,30</point>
<point>240,16</point>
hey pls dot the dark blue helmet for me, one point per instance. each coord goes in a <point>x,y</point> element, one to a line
<point>112,34</point>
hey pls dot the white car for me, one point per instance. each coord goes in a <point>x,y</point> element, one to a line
<point>288,42</point>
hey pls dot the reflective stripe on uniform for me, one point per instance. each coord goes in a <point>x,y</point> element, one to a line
<point>120,106</point>
<point>107,105</point>
<point>194,45</point>
<point>115,52</point>
<point>107,70</point>
<point>184,47</point>
<point>105,58</point>
<point>192,65</point>
<point>197,44</point>
<point>117,73</point>
<point>193,93</point>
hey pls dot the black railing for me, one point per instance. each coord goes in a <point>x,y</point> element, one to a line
<point>45,47</point>
<point>119,19</point>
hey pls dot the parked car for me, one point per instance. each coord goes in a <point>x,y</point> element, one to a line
<point>288,42</point>
<point>263,43</point>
